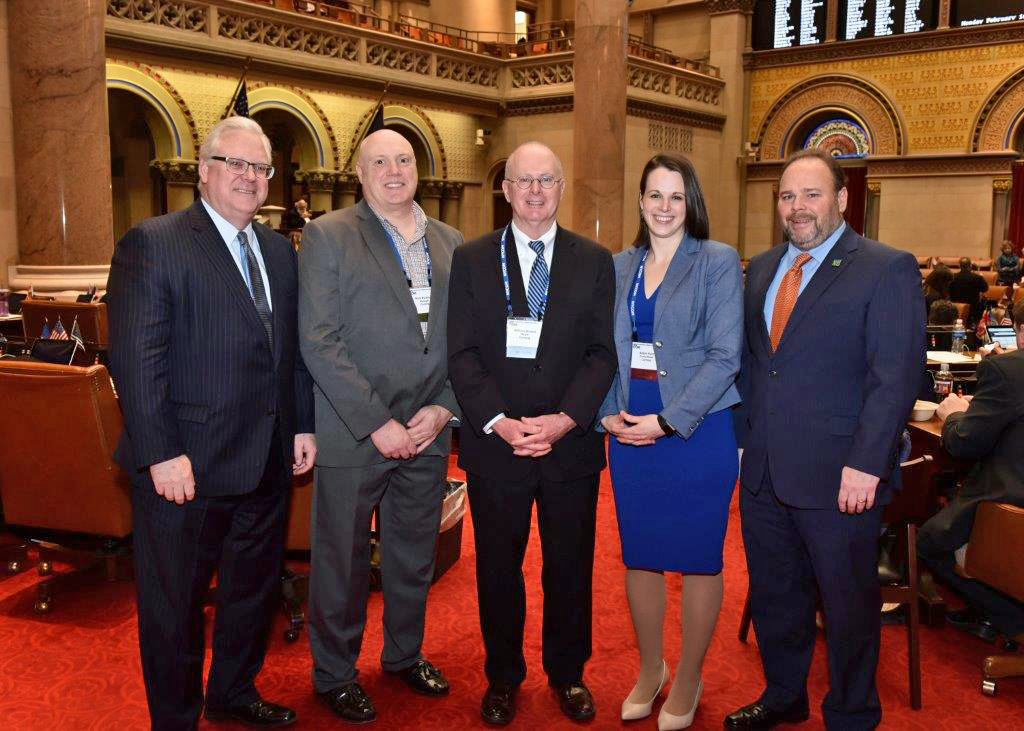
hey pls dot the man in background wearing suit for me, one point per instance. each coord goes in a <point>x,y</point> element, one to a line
<point>531,364</point>
<point>989,428</point>
<point>218,414</point>
<point>373,300</point>
<point>832,357</point>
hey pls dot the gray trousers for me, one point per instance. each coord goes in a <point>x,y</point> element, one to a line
<point>409,495</point>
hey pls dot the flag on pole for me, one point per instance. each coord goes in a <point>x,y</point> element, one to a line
<point>59,333</point>
<point>45,334</point>
<point>76,334</point>
<point>375,125</point>
<point>241,107</point>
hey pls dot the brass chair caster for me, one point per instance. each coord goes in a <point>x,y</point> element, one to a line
<point>988,687</point>
<point>45,568</point>
<point>42,606</point>
<point>13,567</point>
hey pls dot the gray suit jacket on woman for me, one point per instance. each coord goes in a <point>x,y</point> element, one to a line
<point>698,332</point>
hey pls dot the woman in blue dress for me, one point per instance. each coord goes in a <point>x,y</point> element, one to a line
<point>678,328</point>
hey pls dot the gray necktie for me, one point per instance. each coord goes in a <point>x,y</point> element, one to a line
<point>259,294</point>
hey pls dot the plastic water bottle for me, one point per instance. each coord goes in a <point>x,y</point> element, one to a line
<point>959,337</point>
<point>943,382</point>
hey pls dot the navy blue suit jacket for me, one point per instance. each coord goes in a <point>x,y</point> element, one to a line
<point>194,371</point>
<point>838,390</point>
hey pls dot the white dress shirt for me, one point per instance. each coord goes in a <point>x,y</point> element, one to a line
<point>526,258</point>
<point>229,233</point>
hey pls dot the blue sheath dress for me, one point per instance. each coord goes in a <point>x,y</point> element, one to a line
<point>672,497</point>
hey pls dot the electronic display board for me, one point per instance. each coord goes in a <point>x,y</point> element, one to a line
<point>966,13</point>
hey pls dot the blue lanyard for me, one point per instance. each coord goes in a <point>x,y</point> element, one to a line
<point>401,261</point>
<point>636,290</point>
<point>503,249</point>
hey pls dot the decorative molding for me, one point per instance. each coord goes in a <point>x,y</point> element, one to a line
<point>857,97</point>
<point>431,188</point>
<point>936,40</point>
<point>764,171</point>
<point>1002,185</point>
<point>940,165</point>
<point>1000,116</point>
<point>345,182</point>
<point>649,79</point>
<point>674,115</point>
<point>396,58</point>
<point>177,171</point>
<point>169,88</point>
<point>453,190</point>
<point>269,32</point>
<point>669,137</point>
<point>170,13</point>
<point>717,7</point>
<point>311,102</point>
<point>542,74</point>
<point>318,181</point>
<point>538,105</point>
<point>470,73</point>
<point>874,187</point>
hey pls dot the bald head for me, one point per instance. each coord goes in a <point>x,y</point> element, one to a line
<point>535,205</point>
<point>386,167</point>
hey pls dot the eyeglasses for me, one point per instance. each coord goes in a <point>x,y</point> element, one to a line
<point>524,182</point>
<point>238,166</point>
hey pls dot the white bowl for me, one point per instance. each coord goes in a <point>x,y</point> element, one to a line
<point>923,410</point>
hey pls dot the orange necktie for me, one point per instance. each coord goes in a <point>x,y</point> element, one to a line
<point>785,299</point>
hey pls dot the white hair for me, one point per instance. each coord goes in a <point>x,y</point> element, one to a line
<point>230,125</point>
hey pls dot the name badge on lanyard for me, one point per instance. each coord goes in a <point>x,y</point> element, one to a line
<point>642,357</point>
<point>421,299</point>
<point>522,334</point>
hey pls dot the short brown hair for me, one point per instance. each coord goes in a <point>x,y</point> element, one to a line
<point>1017,315</point>
<point>813,153</point>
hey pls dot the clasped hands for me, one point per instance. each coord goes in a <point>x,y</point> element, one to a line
<point>174,480</point>
<point>395,441</point>
<point>533,436</point>
<point>636,431</point>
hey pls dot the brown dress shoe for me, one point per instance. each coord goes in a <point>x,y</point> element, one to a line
<point>575,701</point>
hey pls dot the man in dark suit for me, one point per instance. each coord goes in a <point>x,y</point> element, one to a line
<point>968,286</point>
<point>530,364</point>
<point>218,413</point>
<point>989,428</point>
<point>373,302</point>
<point>832,357</point>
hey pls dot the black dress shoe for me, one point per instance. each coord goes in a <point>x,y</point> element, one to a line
<point>759,716</point>
<point>575,701</point>
<point>424,678</point>
<point>499,704</point>
<point>970,621</point>
<point>349,703</point>
<point>258,713</point>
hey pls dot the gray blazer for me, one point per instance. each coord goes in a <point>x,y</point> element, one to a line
<point>360,336</point>
<point>698,332</point>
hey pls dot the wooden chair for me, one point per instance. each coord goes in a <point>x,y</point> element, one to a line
<point>295,587</point>
<point>995,556</point>
<point>924,262</point>
<point>58,482</point>
<point>989,277</point>
<point>953,262</point>
<point>91,317</point>
<point>912,505</point>
<point>982,264</point>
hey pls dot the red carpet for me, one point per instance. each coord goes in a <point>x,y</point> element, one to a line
<point>78,669</point>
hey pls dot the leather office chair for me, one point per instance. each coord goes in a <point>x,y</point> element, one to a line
<point>295,587</point>
<point>912,505</point>
<point>995,556</point>
<point>58,483</point>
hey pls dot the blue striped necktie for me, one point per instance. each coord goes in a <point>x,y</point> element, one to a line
<point>538,290</point>
<point>259,294</point>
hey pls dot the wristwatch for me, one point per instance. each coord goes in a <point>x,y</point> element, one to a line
<point>665,426</point>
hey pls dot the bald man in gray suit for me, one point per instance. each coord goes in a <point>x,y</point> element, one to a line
<point>373,300</point>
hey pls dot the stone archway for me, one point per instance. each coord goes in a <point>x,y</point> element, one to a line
<point>1000,120</point>
<point>847,95</point>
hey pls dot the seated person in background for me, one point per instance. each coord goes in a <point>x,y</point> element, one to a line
<point>942,312</point>
<point>936,286</point>
<point>967,286</point>
<point>998,316</point>
<point>1008,265</point>
<point>298,216</point>
<point>990,429</point>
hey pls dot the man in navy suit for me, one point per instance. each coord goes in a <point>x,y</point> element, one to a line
<point>218,414</point>
<point>832,356</point>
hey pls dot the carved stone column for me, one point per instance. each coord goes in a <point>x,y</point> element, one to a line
<point>599,119</point>
<point>320,184</point>
<point>430,190</point>
<point>872,209</point>
<point>1000,213</point>
<point>345,187</point>
<point>728,31</point>
<point>61,140</point>
<point>180,177</point>
<point>451,204</point>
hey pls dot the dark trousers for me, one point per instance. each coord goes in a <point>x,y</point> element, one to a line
<point>177,550</point>
<point>566,515</point>
<point>937,542</point>
<point>793,556</point>
<point>410,494</point>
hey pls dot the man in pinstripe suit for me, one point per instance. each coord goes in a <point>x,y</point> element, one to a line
<point>218,413</point>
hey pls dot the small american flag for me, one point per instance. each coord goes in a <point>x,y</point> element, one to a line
<point>59,333</point>
<point>241,107</point>
<point>76,334</point>
<point>45,334</point>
